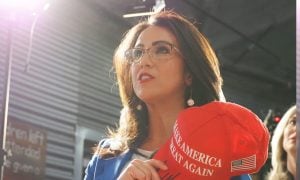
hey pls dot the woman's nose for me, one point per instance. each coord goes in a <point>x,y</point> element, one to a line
<point>146,59</point>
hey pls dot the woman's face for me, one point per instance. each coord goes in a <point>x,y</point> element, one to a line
<point>289,135</point>
<point>160,72</point>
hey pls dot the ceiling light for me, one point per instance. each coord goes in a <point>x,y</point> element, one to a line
<point>145,8</point>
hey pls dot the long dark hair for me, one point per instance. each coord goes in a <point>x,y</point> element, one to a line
<point>200,60</point>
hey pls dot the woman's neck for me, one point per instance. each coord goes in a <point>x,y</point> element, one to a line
<point>162,117</point>
<point>291,164</point>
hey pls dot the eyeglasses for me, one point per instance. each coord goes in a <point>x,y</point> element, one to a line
<point>159,51</point>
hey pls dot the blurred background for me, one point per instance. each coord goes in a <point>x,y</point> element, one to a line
<point>63,94</point>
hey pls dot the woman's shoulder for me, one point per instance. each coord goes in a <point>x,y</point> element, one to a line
<point>110,147</point>
<point>105,143</point>
<point>110,163</point>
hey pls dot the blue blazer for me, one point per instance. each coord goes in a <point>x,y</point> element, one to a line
<point>109,169</point>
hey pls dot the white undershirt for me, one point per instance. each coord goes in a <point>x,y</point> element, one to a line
<point>146,155</point>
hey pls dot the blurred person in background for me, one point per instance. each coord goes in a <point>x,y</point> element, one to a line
<point>283,146</point>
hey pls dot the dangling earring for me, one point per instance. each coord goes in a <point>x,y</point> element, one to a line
<point>190,102</point>
<point>139,107</point>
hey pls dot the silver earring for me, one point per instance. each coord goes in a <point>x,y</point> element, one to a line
<point>190,102</point>
<point>139,107</point>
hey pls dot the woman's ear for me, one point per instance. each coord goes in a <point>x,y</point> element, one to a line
<point>188,79</point>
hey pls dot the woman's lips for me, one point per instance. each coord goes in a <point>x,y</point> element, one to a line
<point>145,77</point>
<point>293,136</point>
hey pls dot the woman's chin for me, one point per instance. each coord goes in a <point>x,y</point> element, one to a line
<point>147,97</point>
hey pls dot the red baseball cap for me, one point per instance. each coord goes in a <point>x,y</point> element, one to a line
<point>215,141</point>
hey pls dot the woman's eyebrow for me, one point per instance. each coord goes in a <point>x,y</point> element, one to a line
<point>293,118</point>
<point>161,41</point>
<point>154,43</point>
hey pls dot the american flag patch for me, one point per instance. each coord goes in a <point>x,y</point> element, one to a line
<point>244,164</point>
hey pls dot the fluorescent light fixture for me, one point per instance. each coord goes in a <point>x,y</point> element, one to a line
<point>138,14</point>
<point>159,5</point>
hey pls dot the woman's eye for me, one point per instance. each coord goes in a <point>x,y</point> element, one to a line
<point>292,122</point>
<point>162,50</point>
<point>137,53</point>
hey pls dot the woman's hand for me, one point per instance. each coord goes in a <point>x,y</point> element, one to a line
<point>138,169</point>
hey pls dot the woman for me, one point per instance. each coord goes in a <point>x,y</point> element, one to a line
<point>163,65</point>
<point>284,148</point>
